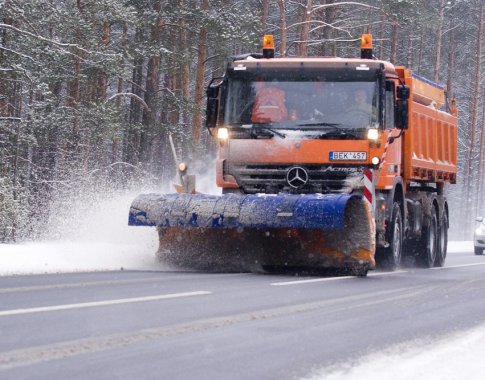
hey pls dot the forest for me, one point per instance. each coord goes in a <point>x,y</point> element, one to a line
<point>90,90</point>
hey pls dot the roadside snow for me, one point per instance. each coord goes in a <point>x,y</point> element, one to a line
<point>112,247</point>
<point>460,246</point>
<point>91,238</point>
<point>457,356</point>
<point>72,256</point>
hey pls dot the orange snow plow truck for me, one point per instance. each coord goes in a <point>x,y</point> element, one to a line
<point>323,163</point>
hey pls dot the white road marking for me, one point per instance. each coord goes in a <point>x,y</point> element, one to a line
<point>457,266</point>
<point>100,303</point>
<point>184,276</point>
<point>386,273</point>
<point>298,282</point>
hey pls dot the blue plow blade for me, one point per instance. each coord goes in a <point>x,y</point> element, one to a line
<point>240,211</point>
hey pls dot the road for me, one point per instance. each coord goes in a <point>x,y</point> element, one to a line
<point>183,325</point>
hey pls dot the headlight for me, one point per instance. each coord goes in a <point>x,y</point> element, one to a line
<point>222,133</point>
<point>373,134</point>
<point>375,160</point>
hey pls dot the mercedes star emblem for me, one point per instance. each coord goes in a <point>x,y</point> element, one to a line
<point>297,177</point>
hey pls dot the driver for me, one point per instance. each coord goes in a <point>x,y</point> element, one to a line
<point>269,105</point>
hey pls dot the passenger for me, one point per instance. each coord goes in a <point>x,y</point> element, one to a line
<point>269,105</point>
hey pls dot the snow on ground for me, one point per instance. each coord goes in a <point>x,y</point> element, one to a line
<point>457,356</point>
<point>460,246</point>
<point>101,244</point>
<point>95,239</point>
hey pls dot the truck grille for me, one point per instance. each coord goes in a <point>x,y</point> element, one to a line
<point>271,179</point>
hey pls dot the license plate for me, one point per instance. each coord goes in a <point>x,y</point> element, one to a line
<point>348,156</point>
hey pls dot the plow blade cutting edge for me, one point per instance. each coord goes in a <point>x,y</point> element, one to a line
<point>255,232</point>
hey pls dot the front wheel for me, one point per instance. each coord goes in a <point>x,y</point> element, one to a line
<point>390,257</point>
<point>478,251</point>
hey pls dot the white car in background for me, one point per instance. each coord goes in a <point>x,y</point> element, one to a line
<point>479,237</point>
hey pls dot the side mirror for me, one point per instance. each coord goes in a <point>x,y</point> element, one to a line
<point>212,110</point>
<point>479,219</point>
<point>403,92</point>
<point>402,117</point>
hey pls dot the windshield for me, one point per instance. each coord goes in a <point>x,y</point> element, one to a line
<point>301,104</point>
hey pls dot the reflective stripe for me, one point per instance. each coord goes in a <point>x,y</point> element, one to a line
<point>369,189</point>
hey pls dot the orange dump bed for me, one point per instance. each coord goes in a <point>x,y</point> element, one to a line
<point>430,143</point>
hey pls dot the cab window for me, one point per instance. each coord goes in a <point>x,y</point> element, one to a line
<point>390,105</point>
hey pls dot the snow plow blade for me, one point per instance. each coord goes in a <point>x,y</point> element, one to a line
<point>255,232</point>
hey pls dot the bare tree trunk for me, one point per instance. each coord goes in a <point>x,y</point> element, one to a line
<point>103,78</point>
<point>481,164</point>
<point>74,97</point>
<point>132,140</point>
<point>199,85</point>
<point>438,41</point>
<point>381,39</point>
<point>185,77</point>
<point>122,65</point>
<point>474,111</point>
<point>305,29</point>
<point>420,55</point>
<point>264,14</point>
<point>151,90</point>
<point>451,62</point>
<point>283,30</point>
<point>330,15</point>
<point>116,139</point>
<point>393,57</point>
<point>410,51</point>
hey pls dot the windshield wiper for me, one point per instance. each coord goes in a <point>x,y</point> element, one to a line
<point>332,129</point>
<point>264,127</point>
<point>336,131</point>
<point>317,124</point>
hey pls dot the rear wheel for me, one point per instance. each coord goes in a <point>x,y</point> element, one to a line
<point>428,243</point>
<point>478,251</point>
<point>443,241</point>
<point>390,257</point>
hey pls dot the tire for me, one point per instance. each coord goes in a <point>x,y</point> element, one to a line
<point>360,271</point>
<point>428,244</point>
<point>442,241</point>
<point>478,251</point>
<point>390,257</point>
